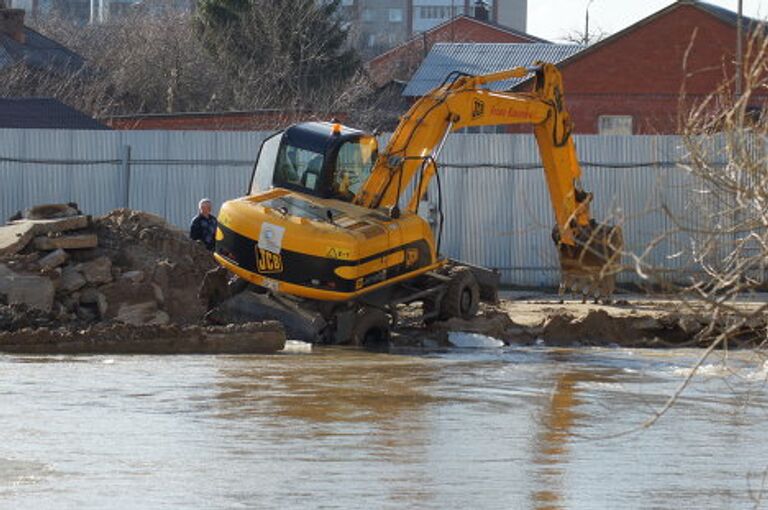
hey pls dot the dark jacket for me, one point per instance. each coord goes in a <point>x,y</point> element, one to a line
<point>204,230</point>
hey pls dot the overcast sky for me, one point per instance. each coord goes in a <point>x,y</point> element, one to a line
<point>552,19</point>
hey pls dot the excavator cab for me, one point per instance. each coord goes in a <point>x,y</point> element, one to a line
<point>322,159</point>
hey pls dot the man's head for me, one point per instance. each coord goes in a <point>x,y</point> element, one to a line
<point>205,207</point>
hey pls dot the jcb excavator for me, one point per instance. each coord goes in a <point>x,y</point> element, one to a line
<point>324,234</point>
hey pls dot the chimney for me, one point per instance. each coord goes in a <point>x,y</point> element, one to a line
<point>12,23</point>
<point>481,10</point>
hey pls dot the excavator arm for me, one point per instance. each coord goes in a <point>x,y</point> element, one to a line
<point>412,151</point>
<point>585,246</point>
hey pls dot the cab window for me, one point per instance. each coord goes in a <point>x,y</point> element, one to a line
<point>264,170</point>
<point>299,167</point>
<point>353,167</point>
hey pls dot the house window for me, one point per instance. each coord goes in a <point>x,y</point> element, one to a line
<point>615,125</point>
<point>368,15</point>
<point>396,15</point>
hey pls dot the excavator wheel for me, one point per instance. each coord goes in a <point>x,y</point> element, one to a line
<point>462,298</point>
<point>371,329</point>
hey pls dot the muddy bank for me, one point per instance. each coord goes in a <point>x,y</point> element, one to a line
<point>634,322</point>
<point>116,338</point>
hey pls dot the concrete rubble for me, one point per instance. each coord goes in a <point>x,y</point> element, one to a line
<point>62,272</point>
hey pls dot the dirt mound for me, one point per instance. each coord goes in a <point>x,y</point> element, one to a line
<point>138,240</point>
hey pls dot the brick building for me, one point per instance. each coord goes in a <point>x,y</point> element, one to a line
<point>400,62</point>
<point>631,82</point>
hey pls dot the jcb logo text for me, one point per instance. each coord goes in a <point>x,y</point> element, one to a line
<point>269,262</point>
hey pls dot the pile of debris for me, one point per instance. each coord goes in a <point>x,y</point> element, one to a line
<point>59,267</point>
<point>126,282</point>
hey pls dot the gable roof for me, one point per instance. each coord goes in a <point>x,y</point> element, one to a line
<point>482,58</point>
<point>461,17</point>
<point>39,52</point>
<point>721,13</point>
<point>42,113</point>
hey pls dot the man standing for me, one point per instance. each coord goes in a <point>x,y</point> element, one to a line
<point>203,227</point>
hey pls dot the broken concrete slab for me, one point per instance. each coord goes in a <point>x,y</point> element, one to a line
<point>66,242</point>
<point>122,292</point>
<point>94,297</point>
<point>133,276</point>
<point>48,211</point>
<point>248,306</point>
<point>34,291</point>
<point>42,227</point>
<point>141,313</point>
<point>71,279</point>
<point>15,236</point>
<point>53,260</point>
<point>96,271</point>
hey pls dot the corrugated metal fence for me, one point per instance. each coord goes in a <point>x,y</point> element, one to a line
<point>164,172</point>
<point>497,211</point>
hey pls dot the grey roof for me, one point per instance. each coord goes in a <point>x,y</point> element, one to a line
<point>39,52</point>
<point>42,113</point>
<point>482,58</point>
<point>726,15</point>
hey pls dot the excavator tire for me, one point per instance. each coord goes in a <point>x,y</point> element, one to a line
<point>371,329</point>
<point>462,298</point>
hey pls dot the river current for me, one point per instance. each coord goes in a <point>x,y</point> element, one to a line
<point>502,428</point>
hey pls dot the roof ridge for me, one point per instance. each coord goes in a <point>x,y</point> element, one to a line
<point>482,58</point>
<point>419,35</point>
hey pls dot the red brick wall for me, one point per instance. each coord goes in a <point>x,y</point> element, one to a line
<point>401,62</point>
<point>641,73</point>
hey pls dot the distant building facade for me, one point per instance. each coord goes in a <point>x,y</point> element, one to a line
<point>96,11</point>
<point>378,25</point>
<point>400,62</point>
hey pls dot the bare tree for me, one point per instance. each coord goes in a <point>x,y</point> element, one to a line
<point>158,62</point>
<point>586,39</point>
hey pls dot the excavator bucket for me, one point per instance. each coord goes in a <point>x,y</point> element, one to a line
<point>590,267</point>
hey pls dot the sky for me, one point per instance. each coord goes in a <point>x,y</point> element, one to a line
<point>553,19</point>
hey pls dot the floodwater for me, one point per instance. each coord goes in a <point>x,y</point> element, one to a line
<point>484,428</point>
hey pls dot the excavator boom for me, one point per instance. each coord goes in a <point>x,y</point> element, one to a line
<point>461,102</point>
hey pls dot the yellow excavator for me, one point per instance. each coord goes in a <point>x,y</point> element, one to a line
<point>326,233</point>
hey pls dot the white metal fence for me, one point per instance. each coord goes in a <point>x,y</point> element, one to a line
<point>497,211</point>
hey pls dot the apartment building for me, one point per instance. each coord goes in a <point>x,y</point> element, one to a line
<point>378,25</point>
<point>95,11</point>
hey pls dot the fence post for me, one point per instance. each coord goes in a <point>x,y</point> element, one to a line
<point>125,169</point>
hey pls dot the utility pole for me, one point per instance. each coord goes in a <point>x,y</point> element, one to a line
<point>586,24</point>
<point>739,50</point>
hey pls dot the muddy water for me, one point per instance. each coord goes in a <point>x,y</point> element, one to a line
<point>507,428</point>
